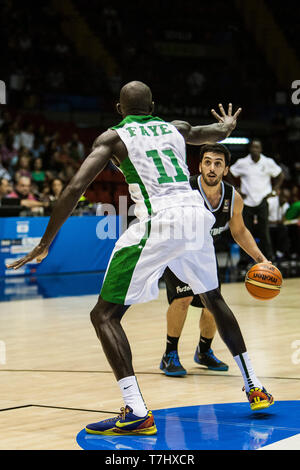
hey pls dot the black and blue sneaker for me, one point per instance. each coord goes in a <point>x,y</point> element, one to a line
<point>209,360</point>
<point>170,365</point>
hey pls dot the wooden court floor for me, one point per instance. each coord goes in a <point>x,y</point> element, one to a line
<point>56,378</point>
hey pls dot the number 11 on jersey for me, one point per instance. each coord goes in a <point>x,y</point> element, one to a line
<point>164,178</point>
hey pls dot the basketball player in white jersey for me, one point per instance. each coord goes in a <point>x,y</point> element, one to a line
<point>151,153</point>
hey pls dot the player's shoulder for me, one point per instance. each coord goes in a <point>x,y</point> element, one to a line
<point>229,192</point>
<point>228,186</point>
<point>237,201</point>
<point>269,160</point>
<point>183,127</point>
<point>108,137</point>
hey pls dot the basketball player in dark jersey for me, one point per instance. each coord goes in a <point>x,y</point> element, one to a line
<point>226,205</point>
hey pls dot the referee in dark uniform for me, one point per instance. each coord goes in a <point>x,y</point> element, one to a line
<point>226,205</point>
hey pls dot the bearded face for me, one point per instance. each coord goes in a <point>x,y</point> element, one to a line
<point>213,168</point>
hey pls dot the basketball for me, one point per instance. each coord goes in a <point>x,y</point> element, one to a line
<point>263,281</point>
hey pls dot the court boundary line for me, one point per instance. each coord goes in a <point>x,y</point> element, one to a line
<point>57,407</point>
<point>218,374</point>
<point>14,408</point>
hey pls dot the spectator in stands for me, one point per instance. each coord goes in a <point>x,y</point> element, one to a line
<point>5,122</point>
<point>56,188</point>
<point>40,135</point>
<point>23,165</point>
<point>4,173</point>
<point>295,194</point>
<point>4,188</point>
<point>256,172</point>
<point>16,84</point>
<point>51,193</point>
<point>23,189</point>
<point>15,132</point>
<point>50,152</point>
<point>76,148</point>
<point>67,172</point>
<point>36,151</point>
<point>293,212</point>
<point>195,82</point>
<point>292,219</point>
<point>27,136</point>
<point>23,192</point>
<point>38,175</point>
<point>24,41</point>
<point>8,153</point>
<point>278,206</point>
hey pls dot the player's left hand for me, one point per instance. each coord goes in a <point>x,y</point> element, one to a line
<point>39,253</point>
<point>228,119</point>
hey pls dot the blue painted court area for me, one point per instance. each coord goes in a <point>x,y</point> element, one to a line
<point>228,426</point>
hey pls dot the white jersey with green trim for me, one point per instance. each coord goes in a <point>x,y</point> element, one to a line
<point>155,168</point>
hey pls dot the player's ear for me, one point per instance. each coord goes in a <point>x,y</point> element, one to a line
<point>152,107</point>
<point>118,108</point>
<point>226,170</point>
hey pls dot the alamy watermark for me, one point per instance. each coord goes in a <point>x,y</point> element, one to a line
<point>2,353</point>
<point>2,92</point>
<point>296,94</point>
<point>296,354</point>
<point>173,224</point>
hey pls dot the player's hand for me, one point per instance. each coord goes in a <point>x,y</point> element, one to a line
<point>39,253</point>
<point>228,119</point>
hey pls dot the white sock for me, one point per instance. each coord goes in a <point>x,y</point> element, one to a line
<point>132,395</point>
<point>247,371</point>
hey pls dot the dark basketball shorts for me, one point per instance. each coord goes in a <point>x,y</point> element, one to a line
<point>176,289</point>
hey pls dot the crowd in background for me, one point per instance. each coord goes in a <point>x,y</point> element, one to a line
<point>211,56</point>
<point>35,166</point>
<point>190,61</point>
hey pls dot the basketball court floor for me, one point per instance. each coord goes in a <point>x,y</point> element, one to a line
<point>54,377</point>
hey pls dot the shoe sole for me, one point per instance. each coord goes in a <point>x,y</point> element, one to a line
<point>221,369</point>
<point>119,432</point>
<point>173,374</point>
<point>261,405</point>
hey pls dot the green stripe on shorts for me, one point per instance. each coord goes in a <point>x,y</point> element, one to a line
<point>120,271</point>
<point>132,176</point>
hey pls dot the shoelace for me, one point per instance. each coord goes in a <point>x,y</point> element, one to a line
<point>122,415</point>
<point>173,355</point>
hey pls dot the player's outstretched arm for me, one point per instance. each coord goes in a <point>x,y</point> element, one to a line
<point>197,135</point>
<point>241,234</point>
<point>90,168</point>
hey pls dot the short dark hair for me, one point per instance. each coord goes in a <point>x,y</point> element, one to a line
<point>255,140</point>
<point>216,148</point>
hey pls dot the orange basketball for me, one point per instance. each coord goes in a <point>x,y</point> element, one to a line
<point>263,281</point>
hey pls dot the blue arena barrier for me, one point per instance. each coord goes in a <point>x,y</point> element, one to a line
<point>83,244</point>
